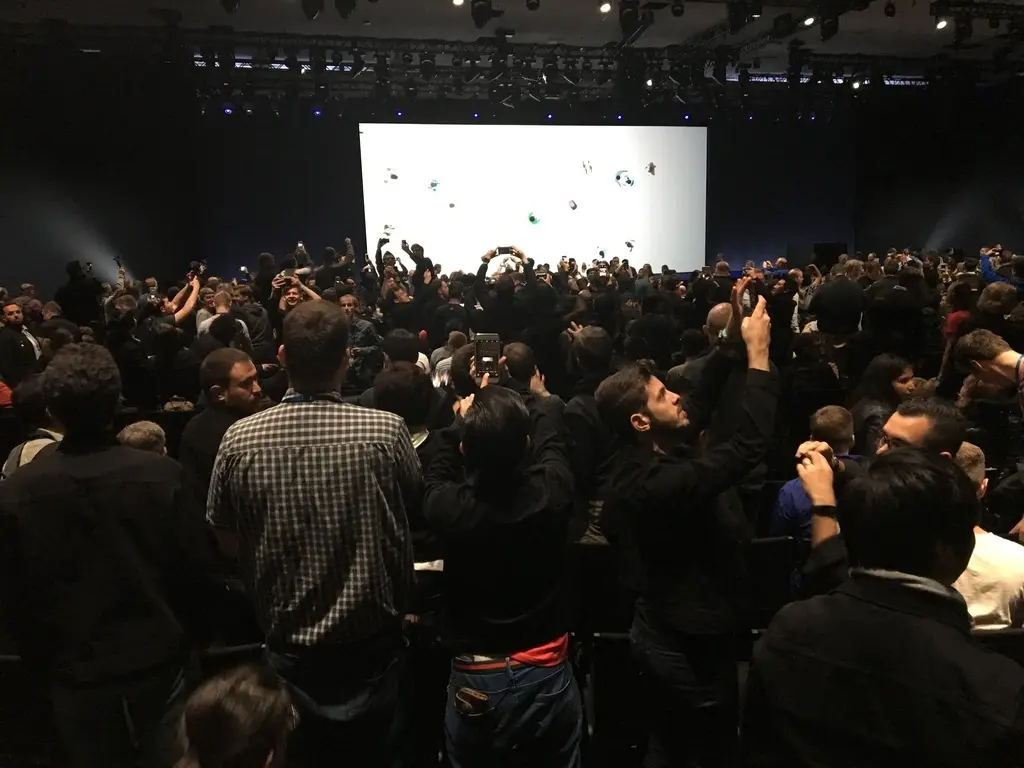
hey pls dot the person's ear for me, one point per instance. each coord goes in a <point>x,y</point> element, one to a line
<point>640,422</point>
<point>946,455</point>
<point>983,488</point>
<point>281,356</point>
<point>217,393</point>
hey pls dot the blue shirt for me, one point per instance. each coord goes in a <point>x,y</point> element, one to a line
<point>792,513</point>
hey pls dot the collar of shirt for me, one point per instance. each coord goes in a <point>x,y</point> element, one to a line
<point>910,581</point>
<point>291,396</point>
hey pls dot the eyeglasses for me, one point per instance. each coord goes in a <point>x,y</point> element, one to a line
<point>892,442</point>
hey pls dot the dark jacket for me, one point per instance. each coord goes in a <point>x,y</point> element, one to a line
<point>79,300</point>
<point>99,566</point>
<point>592,448</point>
<point>838,305</point>
<point>691,544</point>
<point>505,568</point>
<point>881,672</point>
<point>197,453</point>
<point>17,356</point>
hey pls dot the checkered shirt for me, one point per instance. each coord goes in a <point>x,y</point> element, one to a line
<point>317,491</point>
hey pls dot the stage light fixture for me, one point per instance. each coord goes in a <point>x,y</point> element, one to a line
<point>312,8</point>
<point>605,8</point>
<point>482,12</point>
<point>678,9</point>
<point>890,9</point>
<point>458,2</point>
<point>629,16</point>
<point>809,21</point>
<point>941,23</point>
<point>228,109</point>
<point>963,28</point>
<point>229,5</point>
<point>532,5</point>
<point>856,84</point>
<point>317,110</point>
<point>829,27</point>
<point>428,66</point>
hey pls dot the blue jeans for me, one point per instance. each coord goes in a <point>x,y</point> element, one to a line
<point>532,717</point>
<point>347,699</point>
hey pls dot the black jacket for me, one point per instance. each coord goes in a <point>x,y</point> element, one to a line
<point>17,356</point>
<point>197,454</point>
<point>592,448</point>
<point>838,305</point>
<point>98,567</point>
<point>505,568</point>
<point>79,300</point>
<point>881,672</point>
<point>689,542</point>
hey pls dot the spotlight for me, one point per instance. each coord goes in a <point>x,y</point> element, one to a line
<point>532,5</point>
<point>228,109</point>
<point>345,7</point>
<point>809,21</point>
<point>629,16</point>
<point>458,2</point>
<point>605,8</point>
<point>963,29</point>
<point>890,9</point>
<point>550,116</point>
<point>312,8</point>
<point>482,12</point>
<point>317,111</point>
<point>941,23</point>
<point>650,83</point>
<point>428,66</point>
<point>855,85</point>
<point>229,5</point>
<point>829,27</point>
<point>678,9</point>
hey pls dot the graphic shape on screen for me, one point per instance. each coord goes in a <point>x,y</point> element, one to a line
<point>553,191</point>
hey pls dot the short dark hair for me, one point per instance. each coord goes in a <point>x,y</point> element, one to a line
<point>833,424</point>
<point>455,289</point>
<point>458,373</point>
<point>949,428</point>
<point>29,401</point>
<point>621,395</point>
<point>215,370</point>
<point>315,344</point>
<point>401,346</point>
<point>904,505</point>
<point>82,387</point>
<point>495,432</point>
<point>520,361</point>
<point>404,390</point>
<point>592,348</point>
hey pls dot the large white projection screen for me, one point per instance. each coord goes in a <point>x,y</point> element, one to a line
<point>553,191</point>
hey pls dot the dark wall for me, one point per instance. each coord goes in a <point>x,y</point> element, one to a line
<point>92,168</point>
<point>777,188</point>
<point>941,170</point>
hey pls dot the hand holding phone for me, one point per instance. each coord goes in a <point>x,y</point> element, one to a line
<point>488,352</point>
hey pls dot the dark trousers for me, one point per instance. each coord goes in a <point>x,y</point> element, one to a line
<point>347,699</point>
<point>532,717</point>
<point>131,722</point>
<point>690,692</point>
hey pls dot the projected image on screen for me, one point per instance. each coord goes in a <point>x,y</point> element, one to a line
<point>553,191</point>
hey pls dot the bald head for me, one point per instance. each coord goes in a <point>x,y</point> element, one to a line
<point>718,321</point>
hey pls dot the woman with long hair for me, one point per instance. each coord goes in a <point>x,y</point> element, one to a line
<point>887,381</point>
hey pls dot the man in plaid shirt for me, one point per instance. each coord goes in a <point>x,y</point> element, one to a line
<point>311,497</point>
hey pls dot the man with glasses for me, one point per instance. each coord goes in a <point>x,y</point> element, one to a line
<point>932,425</point>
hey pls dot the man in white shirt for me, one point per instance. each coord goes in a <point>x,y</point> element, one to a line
<point>993,584</point>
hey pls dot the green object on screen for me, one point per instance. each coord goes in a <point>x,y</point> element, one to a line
<point>534,219</point>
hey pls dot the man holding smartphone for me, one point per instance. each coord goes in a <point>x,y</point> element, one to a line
<point>664,499</point>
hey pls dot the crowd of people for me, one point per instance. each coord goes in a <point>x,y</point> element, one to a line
<point>427,536</point>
